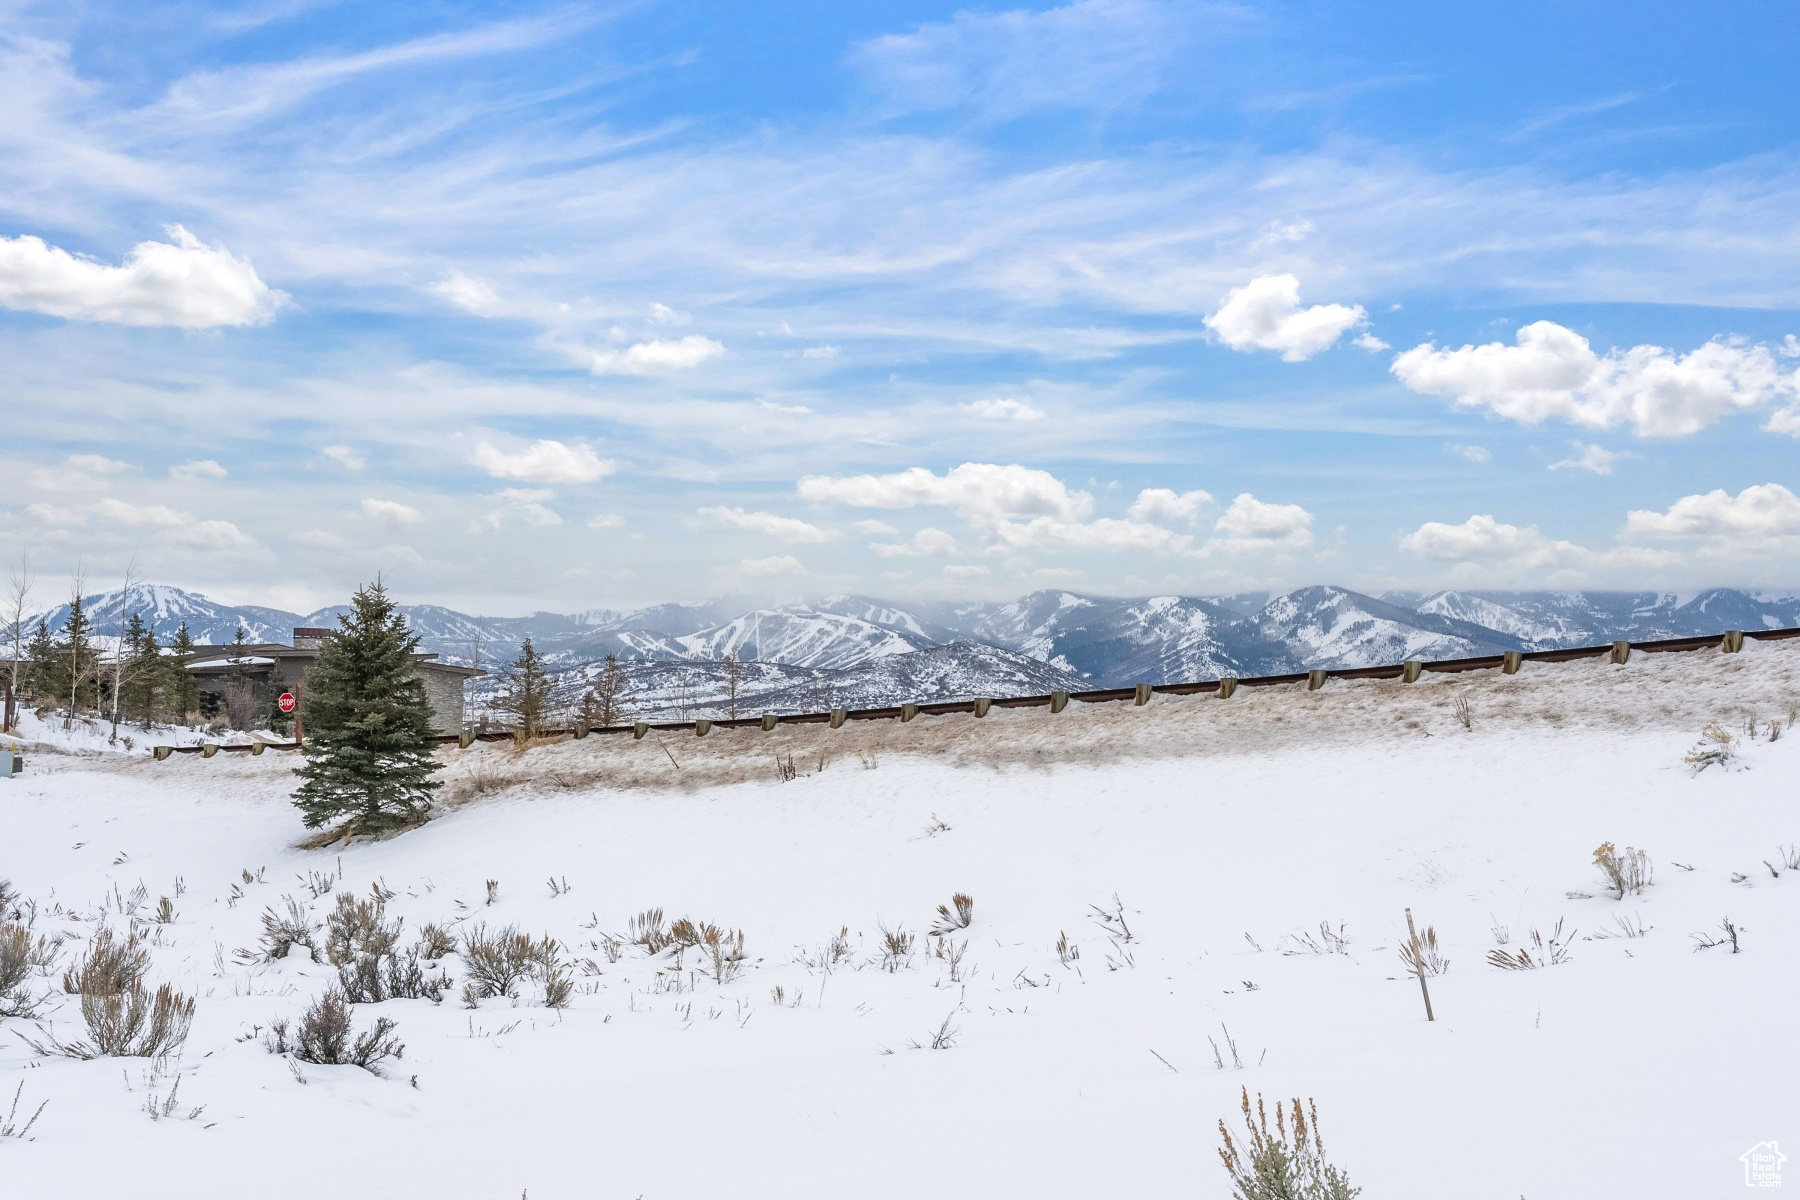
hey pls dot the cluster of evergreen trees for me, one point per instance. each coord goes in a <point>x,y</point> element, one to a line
<point>146,682</point>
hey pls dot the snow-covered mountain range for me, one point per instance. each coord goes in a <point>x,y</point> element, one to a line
<point>859,651</point>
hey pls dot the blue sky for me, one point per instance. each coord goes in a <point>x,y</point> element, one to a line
<point>569,306</point>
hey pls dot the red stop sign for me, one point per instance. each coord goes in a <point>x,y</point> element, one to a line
<point>285,702</point>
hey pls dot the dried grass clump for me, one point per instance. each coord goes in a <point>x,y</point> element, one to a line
<point>647,930</point>
<point>896,948</point>
<point>955,915</point>
<point>1329,941</point>
<point>1543,951</point>
<point>1283,1164</point>
<point>435,942</point>
<point>327,1037</point>
<point>1421,955</point>
<point>110,967</point>
<point>1626,873</point>
<point>1716,748</point>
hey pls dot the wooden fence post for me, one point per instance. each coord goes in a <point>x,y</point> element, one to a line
<point>838,717</point>
<point>163,752</point>
<point>465,739</point>
<point>1409,670</point>
<point>639,729</point>
<point>1058,701</point>
<point>1621,653</point>
<point>1418,962</point>
<point>908,712</point>
<point>256,748</point>
<point>1510,662</point>
<point>1227,686</point>
<point>702,728</point>
<point>1734,641</point>
<point>982,704</point>
<point>208,750</point>
<point>1140,695</point>
<point>769,721</point>
<point>1315,680</point>
<point>581,730</point>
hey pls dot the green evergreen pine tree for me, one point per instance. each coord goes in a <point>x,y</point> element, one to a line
<point>527,693</point>
<point>180,686</point>
<point>137,663</point>
<point>369,739</point>
<point>40,655</point>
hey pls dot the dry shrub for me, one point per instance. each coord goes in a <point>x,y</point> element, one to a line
<point>955,915</point>
<point>1625,873</point>
<point>129,1024</point>
<point>359,929</point>
<point>110,967</point>
<point>896,948</point>
<point>1329,941</point>
<point>647,930</point>
<point>1543,951</point>
<point>1283,1164</point>
<point>498,962</point>
<point>326,1036</point>
<point>435,942</point>
<point>282,931</point>
<point>1716,747</point>
<point>22,956</point>
<point>371,979</point>
<point>1422,957</point>
<point>1066,951</point>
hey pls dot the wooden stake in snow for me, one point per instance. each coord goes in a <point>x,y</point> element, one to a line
<point>1417,957</point>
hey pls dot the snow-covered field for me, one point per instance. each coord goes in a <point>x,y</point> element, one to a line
<point>1639,1067</point>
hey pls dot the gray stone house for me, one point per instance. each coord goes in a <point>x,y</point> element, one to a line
<point>285,667</point>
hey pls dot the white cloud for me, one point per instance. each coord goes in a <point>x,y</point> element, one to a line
<point>518,504</point>
<point>78,473</point>
<point>1369,342</point>
<point>1163,504</point>
<point>321,539</point>
<point>1597,459</point>
<point>964,572</point>
<point>391,512</point>
<point>874,527</point>
<point>925,543</point>
<point>606,521</point>
<point>763,568</point>
<point>467,293</point>
<point>544,461</point>
<point>662,314</point>
<point>1482,543</point>
<point>1475,454</point>
<point>653,357</point>
<point>196,470</point>
<point>1764,511</point>
<point>1265,314</point>
<point>792,410</point>
<point>785,529</point>
<point>171,525</point>
<point>182,282</point>
<point>1483,538</point>
<point>1552,373</point>
<point>819,352</point>
<point>346,456</point>
<point>1252,526</point>
<point>1005,410</point>
<point>983,494</point>
<point>1106,534</point>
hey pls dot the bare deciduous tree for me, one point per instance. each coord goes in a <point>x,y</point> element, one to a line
<point>18,593</point>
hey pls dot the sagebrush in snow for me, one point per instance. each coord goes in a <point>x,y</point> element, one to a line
<point>1543,951</point>
<point>111,965</point>
<point>647,930</point>
<point>955,915</point>
<point>1283,1163</point>
<point>498,962</point>
<point>21,957</point>
<point>327,1036</point>
<point>1716,748</point>
<point>1626,872</point>
<point>1329,941</point>
<point>435,942</point>
<point>1727,936</point>
<point>282,931</point>
<point>1422,957</point>
<point>359,929</point>
<point>130,1024</point>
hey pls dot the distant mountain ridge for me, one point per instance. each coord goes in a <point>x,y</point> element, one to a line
<point>849,648</point>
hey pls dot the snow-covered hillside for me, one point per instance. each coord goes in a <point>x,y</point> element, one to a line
<point>1221,834</point>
